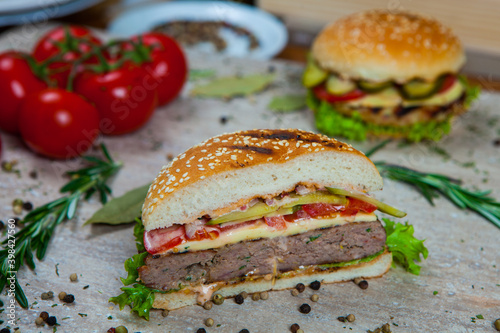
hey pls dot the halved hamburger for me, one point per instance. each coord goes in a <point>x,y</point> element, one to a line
<point>254,211</point>
<point>392,74</point>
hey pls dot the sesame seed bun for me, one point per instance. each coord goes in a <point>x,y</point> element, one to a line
<point>382,46</point>
<point>229,170</point>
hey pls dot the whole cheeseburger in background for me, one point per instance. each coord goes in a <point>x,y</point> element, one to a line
<point>258,210</point>
<point>392,74</point>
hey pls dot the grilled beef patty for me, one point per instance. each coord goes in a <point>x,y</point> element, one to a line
<point>260,257</point>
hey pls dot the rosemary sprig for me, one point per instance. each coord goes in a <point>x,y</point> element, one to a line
<point>41,222</point>
<point>430,185</point>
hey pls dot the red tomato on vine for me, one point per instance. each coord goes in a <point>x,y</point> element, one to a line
<point>17,81</point>
<point>58,123</point>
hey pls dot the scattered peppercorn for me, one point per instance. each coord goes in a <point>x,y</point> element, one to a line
<point>27,206</point>
<point>201,330</point>
<point>244,331</point>
<point>4,330</point>
<point>244,294</point>
<point>223,120</point>
<point>239,299</point>
<point>62,294</point>
<point>314,298</point>
<point>39,321</point>
<point>295,292</point>
<point>350,318</point>
<point>300,287</point>
<point>305,308</point>
<point>294,328</point>
<point>33,174</point>
<point>44,315</point>
<point>111,330</point>
<point>218,299</point>
<point>164,313</point>
<point>300,330</point>
<point>46,296</point>
<point>497,324</point>
<point>264,295</point>
<point>256,296</point>
<point>121,329</point>
<point>208,305</point>
<point>17,209</point>
<point>7,166</point>
<point>51,321</point>
<point>363,284</point>
<point>315,285</point>
<point>209,322</point>
<point>386,328</point>
<point>73,277</point>
<point>68,298</point>
<point>341,319</point>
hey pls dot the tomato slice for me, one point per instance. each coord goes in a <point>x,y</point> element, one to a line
<point>160,240</point>
<point>321,209</point>
<point>321,93</point>
<point>448,82</point>
<point>276,222</point>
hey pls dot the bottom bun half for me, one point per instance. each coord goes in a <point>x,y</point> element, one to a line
<point>200,294</point>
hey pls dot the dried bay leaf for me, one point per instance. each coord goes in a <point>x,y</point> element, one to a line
<point>122,209</point>
<point>287,103</point>
<point>227,87</point>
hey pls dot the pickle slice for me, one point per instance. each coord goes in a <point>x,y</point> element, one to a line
<point>313,74</point>
<point>261,209</point>
<point>384,208</point>
<point>373,87</point>
<point>338,86</point>
<point>417,89</point>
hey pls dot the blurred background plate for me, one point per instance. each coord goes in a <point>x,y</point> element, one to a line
<point>13,12</point>
<point>270,32</point>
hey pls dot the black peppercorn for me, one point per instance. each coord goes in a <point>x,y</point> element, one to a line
<point>69,298</point>
<point>201,330</point>
<point>294,328</point>
<point>51,321</point>
<point>363,284</point>
<point>4,330</point>
<point>315,285</point>
<point>223,120</point>
<point>239,299</point>
<point>300,287</point>
<point>305,308</point>
<point>244,331</point>
<point>27,205</point>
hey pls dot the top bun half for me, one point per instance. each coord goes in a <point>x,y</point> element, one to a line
<point>382,46</point>
<point>227,171</point>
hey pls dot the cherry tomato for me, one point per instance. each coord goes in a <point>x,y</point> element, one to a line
<point>124,97</point>
<point>57,123</point>
<point>448,82</point>
<point>68,42</point>
<point>321,93</point>
<point>167,65</point>
<point>16,82</point>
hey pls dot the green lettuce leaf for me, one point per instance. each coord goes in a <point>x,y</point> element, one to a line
<point>332,123</point>
<point>405,248</point>
<point>472,92</point>
<point>139,235</point>
<point>131,266</point>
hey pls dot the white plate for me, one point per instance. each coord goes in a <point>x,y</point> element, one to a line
<point>24,12</point>
<point>270,32</point>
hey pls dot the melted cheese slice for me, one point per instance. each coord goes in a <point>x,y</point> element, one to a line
<point>261,230</point>
<point>390,97</point>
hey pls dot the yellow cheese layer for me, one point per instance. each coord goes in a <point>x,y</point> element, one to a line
<point>261,230</point>
<point>390,97</point>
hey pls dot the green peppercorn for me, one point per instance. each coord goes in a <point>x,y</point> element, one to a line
<point>314,298</point>
<point>208,305</point>
<point>209,322</point>
<point>295,292</point>
<point>218,299</point>
<point>244,294</point>
<point>73,277</point>
<point>121,329</point>
<point>62,294</point>
<point>164,313</point>
<point>39,321</point>
<point>350,318</point>
<point>264,295</point>
<point>497,324</point>
<point>256,296</point>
